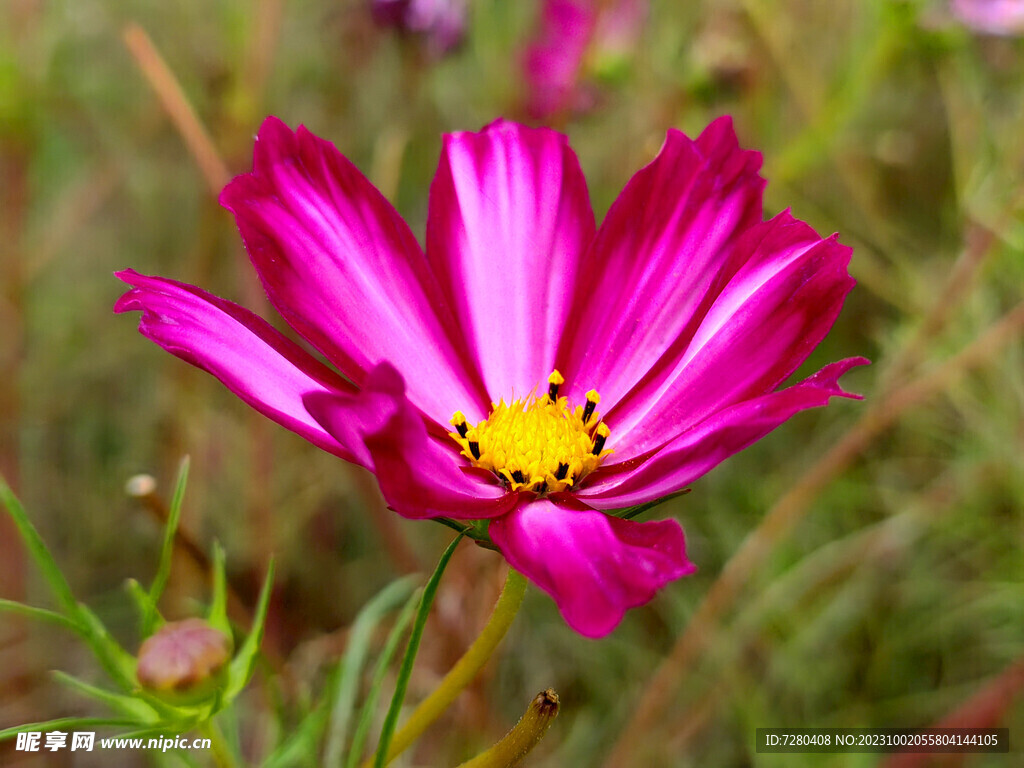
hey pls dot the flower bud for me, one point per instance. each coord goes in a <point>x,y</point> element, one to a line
<point>183,658</point>
<point>518,742</point>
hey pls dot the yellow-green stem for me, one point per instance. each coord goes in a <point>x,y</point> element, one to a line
<point>518,742</point>
<point>465,669</point>
<point>222,754</point>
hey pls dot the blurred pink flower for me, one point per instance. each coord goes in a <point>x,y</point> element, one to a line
<point>567,31</point>
<point>997,17</point>
<point>554,58</point>
<point>685,310</point>
<point>441,23</point>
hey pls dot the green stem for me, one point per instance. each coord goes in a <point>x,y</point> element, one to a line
<point>222,754</point>
<point>465,670</point>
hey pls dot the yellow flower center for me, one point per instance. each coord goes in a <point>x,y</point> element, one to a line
<point>536,443</point>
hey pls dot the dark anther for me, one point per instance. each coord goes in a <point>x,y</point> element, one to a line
<point>543,487</point>
<point>518,477</point>
<point>474,448</point>
<point>599,444</point>
<point>588,410</point>
<point>462,429</point>
<point>552,392</point>
<point>563,470</point>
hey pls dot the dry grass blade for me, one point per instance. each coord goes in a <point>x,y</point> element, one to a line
<point>172,97</point>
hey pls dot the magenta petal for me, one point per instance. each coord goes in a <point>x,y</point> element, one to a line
<point>774,311</point>
<point>699,449</point>
<point>420,476</point>
<point>661,255</point>
<point>595,567</point>
<point>343,269</point>
<point>252,359</point>
<point>509,219</point>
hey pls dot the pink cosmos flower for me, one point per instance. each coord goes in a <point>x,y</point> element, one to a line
<point>567,30</point>
<point>553,60</point>
<point>440,23</point>
<point>588,370</point>
<point>997,17</point>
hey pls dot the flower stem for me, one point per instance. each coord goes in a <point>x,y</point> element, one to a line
<point>465,669</point>
<point>222,754</point>
<point>527,733</point>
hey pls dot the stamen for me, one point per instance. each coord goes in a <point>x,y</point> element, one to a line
<point>600,437</point>
<point>555,380</point>
<point>537,443</point>
<point>459,422</point>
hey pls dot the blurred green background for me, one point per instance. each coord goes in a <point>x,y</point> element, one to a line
<point>871,551</point>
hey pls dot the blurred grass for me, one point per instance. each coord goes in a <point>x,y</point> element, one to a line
<point>895,597</point>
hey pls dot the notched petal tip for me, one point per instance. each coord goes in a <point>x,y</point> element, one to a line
<point>126,275</point>
<point>134,299</point>
<point>248,355</point>
<point>697,450</point>
<point>275,143</point>
<point>503,128</point>
<point>719,140</point>
<point>127,301</point>
<point>497,125</point>
<point>272,126</point>
<point>828,377</point>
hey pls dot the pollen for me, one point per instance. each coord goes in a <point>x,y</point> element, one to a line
<point>537,443</point>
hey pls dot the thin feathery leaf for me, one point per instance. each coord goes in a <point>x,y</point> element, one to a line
<point>355,657</point>
<point>38,552</point>
<point>218,614</point>
<point>152,618</point>
<point>129,706</point>
<point>78,723</point>
<point>405,671</point>
<point>114,659</point>
<point>241,668</point>
<point>40,614</point>
<point>377,681</point>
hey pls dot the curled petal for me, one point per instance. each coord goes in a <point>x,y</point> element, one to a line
<point>420,476</point>
<point>595,567</point>
<point>343,268</point>
<point>509,220</point>
<point>702,447</point>
<point>664,251</point>
<point>251,358</point>
<point>762,325</point>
